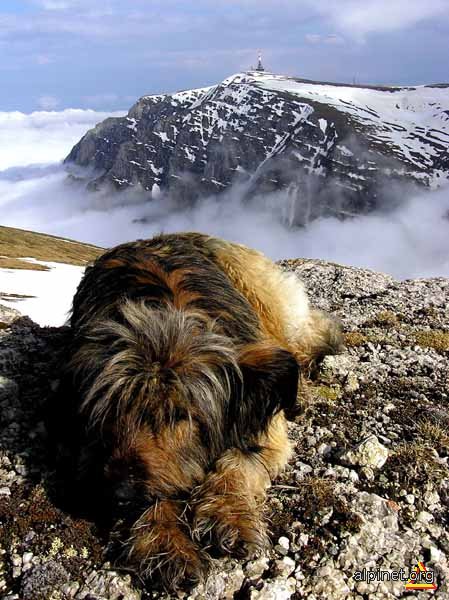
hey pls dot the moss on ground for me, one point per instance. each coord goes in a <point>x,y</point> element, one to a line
<point>30,515</point>
<point>330,393</point>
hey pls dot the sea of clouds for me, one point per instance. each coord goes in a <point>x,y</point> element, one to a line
<point>410,240</point>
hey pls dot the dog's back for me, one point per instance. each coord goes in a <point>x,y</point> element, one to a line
<point>178,270</point>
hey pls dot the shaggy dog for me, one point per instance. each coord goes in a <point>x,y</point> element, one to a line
<point>184,360</point>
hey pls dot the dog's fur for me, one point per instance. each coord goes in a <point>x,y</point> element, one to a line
<point>185,357</point>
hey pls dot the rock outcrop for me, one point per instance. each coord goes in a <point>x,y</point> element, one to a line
<point>334,149</point>
<point>367,487</point>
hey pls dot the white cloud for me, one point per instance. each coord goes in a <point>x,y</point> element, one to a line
<point>56,4</point>
<point>48,102</point>
<point>358,18</point>
<point>409,241</point>
<point>44,59</point>
<point>42,137</point>
<point>316,38</point>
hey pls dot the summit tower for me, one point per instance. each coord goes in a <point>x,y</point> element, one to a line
<point>260,66</point>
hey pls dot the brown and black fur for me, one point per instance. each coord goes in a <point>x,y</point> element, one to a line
<point>184,359</point>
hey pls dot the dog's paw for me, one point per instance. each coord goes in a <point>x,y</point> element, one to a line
<point>160,548</point>
<point>231,524</point>
<point>177,567</point>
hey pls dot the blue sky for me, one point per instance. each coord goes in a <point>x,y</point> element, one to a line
<point>56,54</point>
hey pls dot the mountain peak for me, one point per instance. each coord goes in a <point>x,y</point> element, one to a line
<point>336,148</point>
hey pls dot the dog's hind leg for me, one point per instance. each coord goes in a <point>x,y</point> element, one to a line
<point>228,505</point>
<point>281,301</point>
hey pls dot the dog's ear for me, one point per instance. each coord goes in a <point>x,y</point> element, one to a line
<point>270,378</point>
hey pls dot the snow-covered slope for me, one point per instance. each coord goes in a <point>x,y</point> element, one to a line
<point>43,295</point>
<point>336,148</point>
<point>412,121</point>
<point>39,273</point>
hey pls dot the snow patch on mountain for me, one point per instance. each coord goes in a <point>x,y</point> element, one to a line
<point>44,296</point>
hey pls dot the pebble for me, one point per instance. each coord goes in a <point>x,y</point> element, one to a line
<point>26,558</point>
<point>303,467</point>
<point>435,554</point>
<point>16,560</point>
<point>324,449</point>
<point>276,589</point>
<point>255,568</point>
<point>351,384</point>
<point>432,498</point>
<point>283,545</point>
<point>367,473</point>
<point>285,567</point>
<point>368,453</point>
<point>70,589</point>
<point>424,517</point>
<point>353,476</point>
<point>30,536</point>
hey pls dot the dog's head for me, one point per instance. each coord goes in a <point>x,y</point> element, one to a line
<point>175,458</point>
<point>168,393</point>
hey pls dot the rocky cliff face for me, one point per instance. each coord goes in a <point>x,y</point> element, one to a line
<point>368,485</point>
<point>333,148</point>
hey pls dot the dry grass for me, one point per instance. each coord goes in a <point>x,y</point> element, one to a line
<point>17,263</point>
<point>386,318</point>
<point>354,338</point>
<point>414,464</point>
<point>435,435</point>
<point>19,243</point>
<point>436,339</point>
<point>316,494</point>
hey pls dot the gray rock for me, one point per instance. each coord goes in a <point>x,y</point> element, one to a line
<point>44,581</point>
<point>278,589</point>
<point>107,584</point>
<point>368,453</point>
<point>255,568</point>
<point>8,388</point>
<point>7,314</point>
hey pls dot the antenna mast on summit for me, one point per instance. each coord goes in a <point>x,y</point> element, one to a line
<point>260,66</point>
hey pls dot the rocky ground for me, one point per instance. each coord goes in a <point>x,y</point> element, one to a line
<point>367,488</point>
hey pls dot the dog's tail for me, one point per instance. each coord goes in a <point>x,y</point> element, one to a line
<point>155,366</point>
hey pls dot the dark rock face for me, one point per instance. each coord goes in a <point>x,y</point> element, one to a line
<point>333,149</point>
